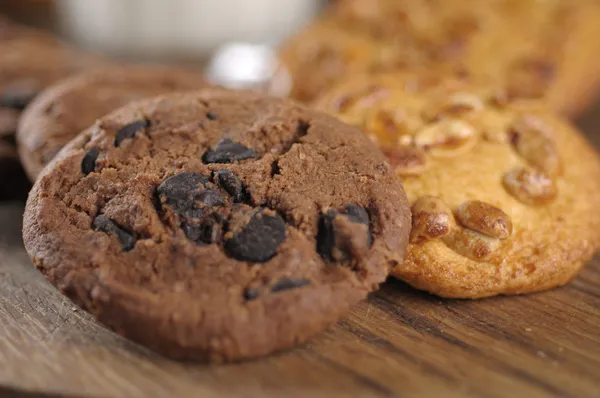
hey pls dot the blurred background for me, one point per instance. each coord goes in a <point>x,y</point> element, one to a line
<point>230,39</point>
<point>185,29</point>
<point>233,40</point>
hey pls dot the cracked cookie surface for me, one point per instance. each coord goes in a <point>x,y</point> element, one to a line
<point>64,110</point>
<point>537,49</point>
<point>503,193</point>
<point>217,225</point>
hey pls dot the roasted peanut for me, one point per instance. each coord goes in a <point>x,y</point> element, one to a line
<point>471,244</point>
<point>485,218</point>
<point>455,105</point>
<point>431,219</point>
<point>530,186</point>
<point>461,102</point>
<point>391,126</point>
<point>406,160</point>
<point>531,140</point>
<point>446,138</point>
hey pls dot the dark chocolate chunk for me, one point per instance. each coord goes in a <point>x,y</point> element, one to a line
<point>331,245</point>
<point>187,194</point>
<point>211,116</point>
<point>17,96</point>
<point>88,163</point>
<point>287,284</point>
<point>275,170</point>
<point>210,230</point>
<point>359,215</point>
<point>210,198</point>
<point>303,127</point>
<point>228,151</point>
<point>251,293</point>
<point>103,224</point>
<point>231,183</point>
<point>258,240</point>
<point>326,235</point>
<point>130,130</point>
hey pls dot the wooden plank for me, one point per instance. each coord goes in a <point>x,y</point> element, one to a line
<point>398,343</point>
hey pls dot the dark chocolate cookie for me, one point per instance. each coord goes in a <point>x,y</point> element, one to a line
<point>217,225</point>
<point>70,106</point>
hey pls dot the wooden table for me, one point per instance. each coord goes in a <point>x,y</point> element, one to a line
<point>399,342</point>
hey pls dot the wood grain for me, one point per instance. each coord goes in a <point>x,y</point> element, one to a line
<point>398,343</point>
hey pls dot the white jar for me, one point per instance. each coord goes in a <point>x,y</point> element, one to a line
<point>190,28</point>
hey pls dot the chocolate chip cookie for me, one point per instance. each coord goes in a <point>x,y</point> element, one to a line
<point>217,225</point>
<point>536,49</point>
<point>504,195</point>
<point>31,60</point>
<point>65,109</point>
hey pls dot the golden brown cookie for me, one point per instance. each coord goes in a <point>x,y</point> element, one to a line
<point>504,195</point>
<point>534,48</point>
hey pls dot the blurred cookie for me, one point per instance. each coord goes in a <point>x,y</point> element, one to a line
<point>65,109</point>
<point>504,195</point>
<point>217,225</point>
<point>534,48</point>
<point>31,60</point>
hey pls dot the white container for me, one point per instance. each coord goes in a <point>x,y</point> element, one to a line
<point>190,28</point>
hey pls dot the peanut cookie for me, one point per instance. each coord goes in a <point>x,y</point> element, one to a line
<point>217,225</point>
<point>504,195</point>
<point>65,109</point>
<point>534,48</point>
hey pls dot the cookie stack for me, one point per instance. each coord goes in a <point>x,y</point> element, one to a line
<point>221,225</point>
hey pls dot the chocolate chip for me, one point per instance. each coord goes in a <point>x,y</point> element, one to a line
<point>88,163</point>
<point>210,231</point>
<point>103,224</point>
<point>302,129</point>
<point>17,96</point>
<point>251,293</point>
<point>130,130</point>
<point>336,242</point>
<point>275,170</point>
<point>211,116</point>
<point>287,284</point>
<point>258,240</point>
<point>188,194</point>
<point>231,183</point>
<point>326,235</point>
<point>357,214</point>
<point>211,198</point>
<point>228,151</point>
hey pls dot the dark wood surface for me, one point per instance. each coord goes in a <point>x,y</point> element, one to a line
<point>400,342</point>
